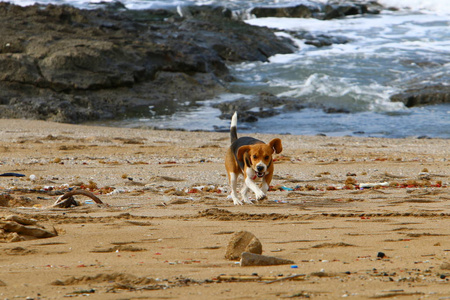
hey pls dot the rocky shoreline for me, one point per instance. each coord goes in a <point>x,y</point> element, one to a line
<point>64,64</point>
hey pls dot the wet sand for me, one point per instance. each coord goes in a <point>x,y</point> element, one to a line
<point>167,223</point>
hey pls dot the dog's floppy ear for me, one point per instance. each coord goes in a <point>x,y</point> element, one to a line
<point>247,161</point>
<point>275,144</point>
<point>241,151</point>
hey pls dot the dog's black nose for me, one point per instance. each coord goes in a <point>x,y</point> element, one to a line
<point>260,168</point>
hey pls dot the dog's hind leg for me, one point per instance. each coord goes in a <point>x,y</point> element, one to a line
<point>264,187</point>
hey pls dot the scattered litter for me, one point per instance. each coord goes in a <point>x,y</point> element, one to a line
<point>280,187</point>
<point>12,175</point>
<point>285,188</point>
<point>280,201</point>
<point>205,188</point>
<point>372,185</point>
<point>116,191</point>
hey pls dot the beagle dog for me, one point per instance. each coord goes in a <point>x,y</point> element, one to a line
<point>253,159</point>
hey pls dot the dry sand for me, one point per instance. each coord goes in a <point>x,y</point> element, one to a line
<point>163,238</point>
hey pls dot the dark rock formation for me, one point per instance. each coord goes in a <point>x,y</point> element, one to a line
<point>433,94</point>
<point>319,11</point>
<point>320,40</point>
<point>64,64</point>
<point>265,105</point>
<point>298,11</point>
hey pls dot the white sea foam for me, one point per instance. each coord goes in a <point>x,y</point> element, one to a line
<point>364,72</point>
<point>441,7</point>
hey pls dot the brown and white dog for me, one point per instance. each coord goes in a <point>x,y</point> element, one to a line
<point>253,159</point>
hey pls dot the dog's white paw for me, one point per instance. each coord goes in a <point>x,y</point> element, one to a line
<point>248,201</point>
<point>236,201</point>
<point>260,196</point>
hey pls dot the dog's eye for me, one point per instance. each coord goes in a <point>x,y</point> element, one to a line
<point>267,157</point>
<point>255,157</point>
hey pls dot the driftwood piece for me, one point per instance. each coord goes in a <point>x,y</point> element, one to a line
<point>66,203</point>
<point>11,226</point>
<point>21,220</point>
<point>267,279</point>
<point>67,199</point>
<point>290,277</point>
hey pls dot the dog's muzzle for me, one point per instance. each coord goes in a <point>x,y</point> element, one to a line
<point>260,171</point>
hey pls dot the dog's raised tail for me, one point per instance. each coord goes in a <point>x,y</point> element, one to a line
<point>233,128</point>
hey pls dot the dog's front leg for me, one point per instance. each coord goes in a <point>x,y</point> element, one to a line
<point>244,192</point>
<point>259,194</point>
<point>233,185</point>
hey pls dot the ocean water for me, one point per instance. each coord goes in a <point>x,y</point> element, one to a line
<point>385,54</point>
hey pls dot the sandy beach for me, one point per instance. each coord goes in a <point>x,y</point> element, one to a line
<point>360,217</point>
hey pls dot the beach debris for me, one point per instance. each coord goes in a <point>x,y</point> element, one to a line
<point>21,220</point>
<point>251,259</point>
<point>290,277</point>
<point>4,199</point>
<point>280,187</point>
<point>373,185</point>
<point>256,277</point>
<point>350,182</point>
<point>424,175</point>
<point>16,228</point>
<point>396,293</point>
<point>65,203</point>
<point>381,255</point>
<point>118,248</point>
<point>9,174</point>
<point>205,188</point>
<point>67,200</point>
<point>242,241</point>
<point>280,201</point>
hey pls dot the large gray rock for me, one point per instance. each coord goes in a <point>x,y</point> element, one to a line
<point>242,241</point>
<point>327,11</point>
